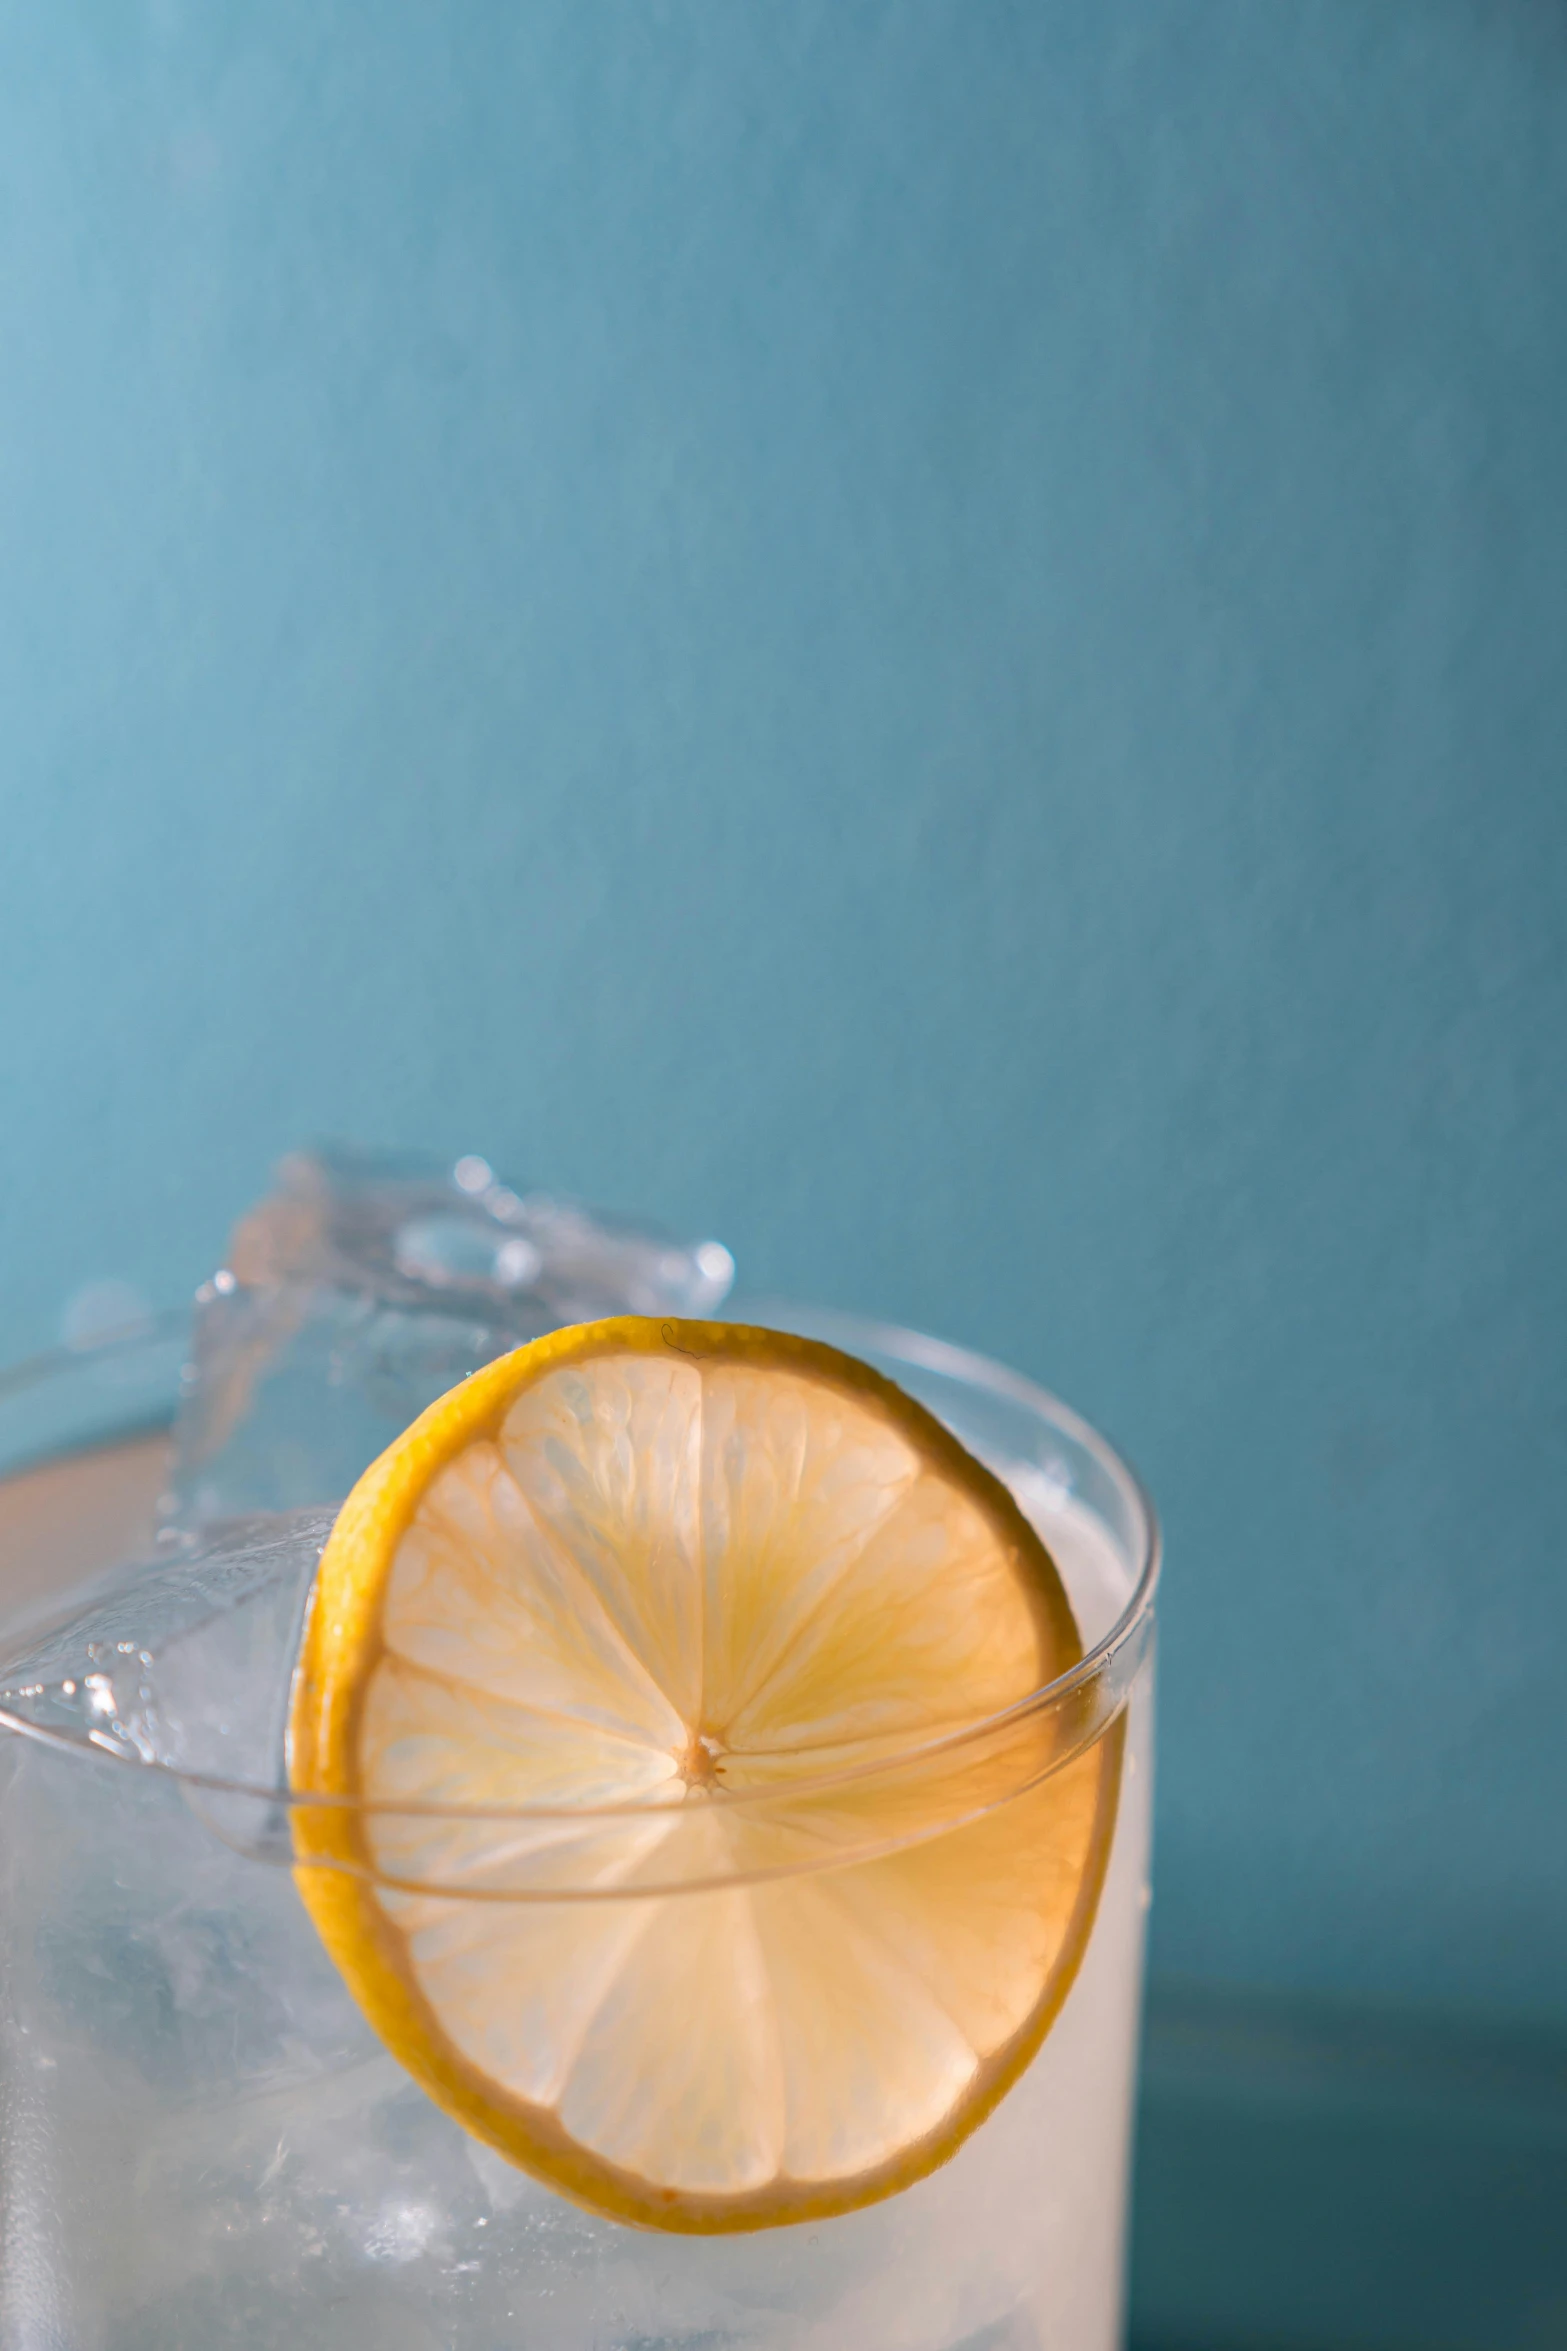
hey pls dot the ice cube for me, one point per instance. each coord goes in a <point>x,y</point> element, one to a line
<point>184,1660</point>
<point>362,1289</point>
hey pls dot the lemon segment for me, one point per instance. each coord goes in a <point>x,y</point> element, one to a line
<point>728,1920</point>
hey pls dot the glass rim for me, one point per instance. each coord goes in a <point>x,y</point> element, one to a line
<point>1121,1643</point>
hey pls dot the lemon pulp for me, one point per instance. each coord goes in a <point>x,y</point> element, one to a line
<point>644,1659</point>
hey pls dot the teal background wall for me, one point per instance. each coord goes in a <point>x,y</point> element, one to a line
<point>930,636</point>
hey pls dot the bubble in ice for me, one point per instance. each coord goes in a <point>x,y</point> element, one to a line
<point>362,1289</point>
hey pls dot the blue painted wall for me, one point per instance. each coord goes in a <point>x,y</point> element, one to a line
<point>930,635</point>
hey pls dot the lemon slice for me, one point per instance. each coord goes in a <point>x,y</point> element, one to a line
<point>649,1659</point>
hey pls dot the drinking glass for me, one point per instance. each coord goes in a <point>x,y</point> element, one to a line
<point>202,2144</point>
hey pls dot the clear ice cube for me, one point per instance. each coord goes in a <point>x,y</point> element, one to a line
<point>186,1661</point>
<point>366,1286</point>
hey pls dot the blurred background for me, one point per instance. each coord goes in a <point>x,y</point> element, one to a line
<point>928,636</point>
